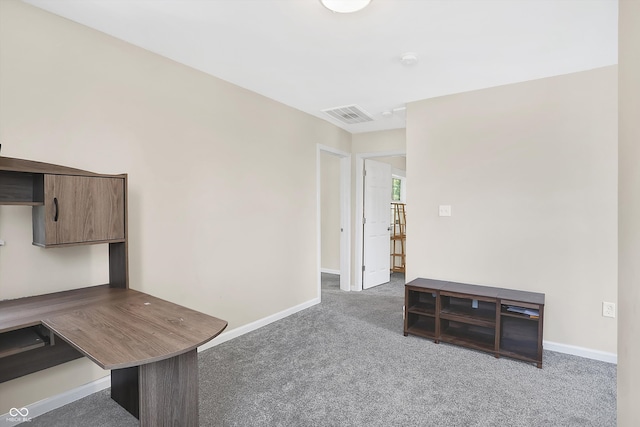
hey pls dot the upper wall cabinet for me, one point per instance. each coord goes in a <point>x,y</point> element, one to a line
<point>79,209</point>
<point>70,206</point>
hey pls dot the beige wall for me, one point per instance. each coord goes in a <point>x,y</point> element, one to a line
<point>629,215</point>
<point>222,181</point>
<point>385,140</point>
<point>396,162</point>
<point>530,171</point>
<point>330,208</point>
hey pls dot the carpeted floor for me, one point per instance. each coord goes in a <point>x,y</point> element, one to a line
<point>345,362</point>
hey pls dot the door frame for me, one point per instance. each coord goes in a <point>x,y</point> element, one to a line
<point>345,215</point>
<point>359,238</point>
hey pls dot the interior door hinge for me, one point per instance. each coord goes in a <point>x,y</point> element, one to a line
<point>363,268</point>
<point>364,220</point>
<point>364,172</point>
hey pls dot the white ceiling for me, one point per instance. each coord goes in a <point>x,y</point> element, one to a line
<point>299,53</point>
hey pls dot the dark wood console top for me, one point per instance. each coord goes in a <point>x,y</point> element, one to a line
<point>478,290</point>
<point>116,328</point>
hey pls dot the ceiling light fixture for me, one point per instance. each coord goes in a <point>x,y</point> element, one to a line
<point>345,6</point>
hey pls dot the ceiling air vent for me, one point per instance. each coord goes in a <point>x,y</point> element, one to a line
<point>349,114</point>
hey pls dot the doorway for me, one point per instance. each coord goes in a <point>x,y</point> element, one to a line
<point>360,210</point>
<point>344,170</point>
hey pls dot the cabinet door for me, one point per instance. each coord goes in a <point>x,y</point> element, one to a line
<point>80,209</point>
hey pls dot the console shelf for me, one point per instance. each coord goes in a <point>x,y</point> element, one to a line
<point>504,322</point>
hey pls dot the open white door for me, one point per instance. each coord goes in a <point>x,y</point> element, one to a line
<point>377,220</point>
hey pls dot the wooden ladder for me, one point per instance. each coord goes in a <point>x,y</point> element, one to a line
<point>398,237</point>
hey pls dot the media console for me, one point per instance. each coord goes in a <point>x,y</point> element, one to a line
<point>504,322</point>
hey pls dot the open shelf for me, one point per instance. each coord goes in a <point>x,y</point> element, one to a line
<point>422,303</point>
<point>424,326</point>
<point>468,317</point>
<point>505,312</point>
<point>14,203</point>
<point>22,189</point>
<point>473,336</point>
<point>21,340</point>
<point>461,310</point>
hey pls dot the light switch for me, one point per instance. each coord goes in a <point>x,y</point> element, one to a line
<point>444,210</point>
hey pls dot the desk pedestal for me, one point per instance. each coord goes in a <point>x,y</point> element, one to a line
<point>159,394</point>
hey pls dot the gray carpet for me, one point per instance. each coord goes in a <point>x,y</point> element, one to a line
<point>345,362</point>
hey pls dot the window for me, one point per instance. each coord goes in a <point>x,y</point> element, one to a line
<point>396,189</point>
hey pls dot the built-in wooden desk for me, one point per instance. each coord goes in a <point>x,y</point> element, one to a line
<point>149,344</point>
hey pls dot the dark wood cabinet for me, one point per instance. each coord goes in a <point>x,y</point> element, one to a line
<point>79,209</point>
<point>501,321</point>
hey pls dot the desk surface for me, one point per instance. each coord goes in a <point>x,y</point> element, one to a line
<point>116,328</point>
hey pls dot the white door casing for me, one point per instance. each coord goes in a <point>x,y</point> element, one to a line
<point>359,159</point>
<point>377,197</point>
<point>345,215</point>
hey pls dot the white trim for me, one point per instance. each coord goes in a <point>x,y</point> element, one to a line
<point>54,402</point>
<point>250,327</point>
<point>345,215</point>
<point>357,285</point>
<point>329,270</point>
<point>345,223</point>
<point>602,356</point>
<point>398,173</point>
<point>334,151</point>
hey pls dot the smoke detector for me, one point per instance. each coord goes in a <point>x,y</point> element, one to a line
<point>409,59</point>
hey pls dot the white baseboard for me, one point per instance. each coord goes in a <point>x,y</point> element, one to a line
<point>54,402</point>
<point>602,356</point>
<point>330,271</point>
<point>234,333</point>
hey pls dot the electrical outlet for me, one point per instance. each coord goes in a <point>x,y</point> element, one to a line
<point>608,309</point>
